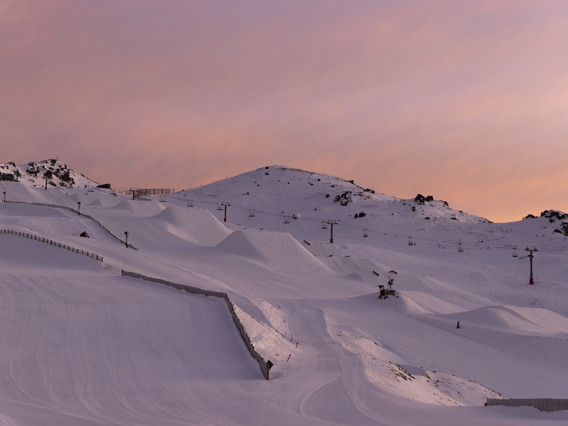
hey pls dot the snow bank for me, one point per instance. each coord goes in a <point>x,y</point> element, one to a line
<point>422,302</point>
<point>277,250</point>
<point>518,320</point>
<point>139,208</point>
<point>386,370</point>
<point>196,225</point>
<point>269,342</point>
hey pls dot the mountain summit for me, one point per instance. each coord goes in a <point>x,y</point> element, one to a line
<point>298,194</point>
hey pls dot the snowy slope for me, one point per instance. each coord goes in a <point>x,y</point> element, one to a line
<point>137,353</point>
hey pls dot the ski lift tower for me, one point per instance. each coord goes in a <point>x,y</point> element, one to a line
<point>224,206</point>
<point>531,251</point>
<point>331,223</point>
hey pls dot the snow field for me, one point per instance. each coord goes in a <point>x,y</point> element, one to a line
<point>80,347</point>
<point>359,360</point>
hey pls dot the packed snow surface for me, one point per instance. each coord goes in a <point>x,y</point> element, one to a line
<point>84,345</point>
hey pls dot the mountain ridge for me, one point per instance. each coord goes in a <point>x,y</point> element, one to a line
<point>281,181</point>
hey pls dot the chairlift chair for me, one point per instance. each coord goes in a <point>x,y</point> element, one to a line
<point>323,225</point>
<point>515,254</point>
<point>251,213</point>
<point>365,233</point>
<point>460,248</point>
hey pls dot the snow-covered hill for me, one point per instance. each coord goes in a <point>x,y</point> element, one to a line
<point>290,192</point>
<point>83,345</point>
<point>51,173</point>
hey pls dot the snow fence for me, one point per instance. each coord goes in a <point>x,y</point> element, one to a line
<point>543,404</point>
<point>264,365</point>
<point>52,243</point>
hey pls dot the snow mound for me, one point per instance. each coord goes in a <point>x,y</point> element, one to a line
<point>139,208</point>
<point>516,319</point>
<point>422,302</point>
<point>278,250</point>
<point>349,264</point>
<point>196,225</point>
<point>384,369</point>
<point>95,203</point>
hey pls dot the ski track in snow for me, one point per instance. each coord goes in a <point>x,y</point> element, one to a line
<point>324,363</point>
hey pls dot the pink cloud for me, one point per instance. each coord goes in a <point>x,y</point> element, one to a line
<point>463,100</point>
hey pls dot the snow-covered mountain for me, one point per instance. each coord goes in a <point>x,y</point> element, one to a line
<point>274,196</point>
<point>84,345</point>
<point>316,196</point>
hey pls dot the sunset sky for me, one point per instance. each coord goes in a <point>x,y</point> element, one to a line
<point>463,100</point>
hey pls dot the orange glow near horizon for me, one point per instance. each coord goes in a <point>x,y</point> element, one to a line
<point>465,101</point>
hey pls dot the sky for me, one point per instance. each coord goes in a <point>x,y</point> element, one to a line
<point>463,100</point>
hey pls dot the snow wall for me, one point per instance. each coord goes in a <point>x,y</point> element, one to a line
<point>264,366</point>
